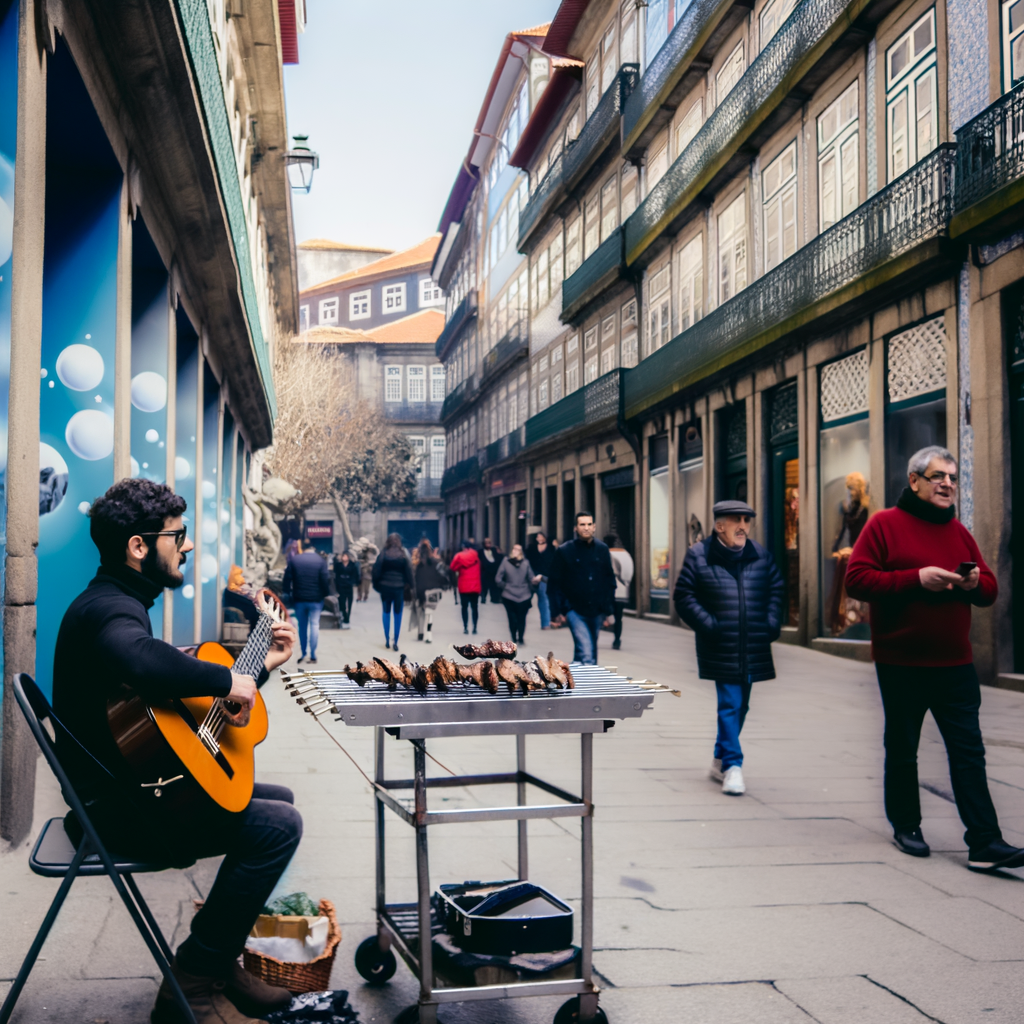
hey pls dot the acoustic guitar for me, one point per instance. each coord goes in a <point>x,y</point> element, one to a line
<point>190,750</point>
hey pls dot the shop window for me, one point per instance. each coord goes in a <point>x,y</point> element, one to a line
<point>911,100</point>
<point>732,452</point>
<point>838,159</point>
<point>845,497</point>
<point>658,519</point>
<point>691,503</point>
<point>915,415</point>
<point>783,527</point>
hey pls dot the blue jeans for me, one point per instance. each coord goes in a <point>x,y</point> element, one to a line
<point>585,630</point>
<point>392,598</point>
<point>733,702</point>
<point>543,604</point>
<point>308,614</point>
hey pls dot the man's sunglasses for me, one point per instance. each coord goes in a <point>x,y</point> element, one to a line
<point>178,535</point>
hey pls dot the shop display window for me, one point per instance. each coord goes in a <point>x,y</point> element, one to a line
<point>691,486</point>
<point>658,512</point>
<point>783,525</point>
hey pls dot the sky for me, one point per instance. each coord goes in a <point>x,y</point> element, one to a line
<point>389,95</point>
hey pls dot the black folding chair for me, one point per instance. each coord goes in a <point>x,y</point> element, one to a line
<point>54,856</point>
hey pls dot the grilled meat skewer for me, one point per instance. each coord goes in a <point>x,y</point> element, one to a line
<point>511,673</point>
<point>488,649</point>
<point>362,674</point>
<point>482,673</point>
<point>547,671</point>
<point>446,672</point>
<point>395,673</point>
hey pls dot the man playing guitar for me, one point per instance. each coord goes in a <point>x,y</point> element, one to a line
<point>106,644</point>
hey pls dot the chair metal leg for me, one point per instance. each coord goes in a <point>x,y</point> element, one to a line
<point>148,915</point>
<point>37,943</point>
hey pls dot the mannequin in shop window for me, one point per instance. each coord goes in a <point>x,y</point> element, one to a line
<point>844,612</point>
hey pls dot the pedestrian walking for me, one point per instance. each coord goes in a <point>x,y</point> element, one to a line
<point>367,558</point>
<point>622,566</point>
<point>490,559</point>
<point>921,571</point>
<point>307,580</point>
<point>346,578</point>
<point>430,580</point>
<point>582,573</point>
<point>392,573</point>
<point>541,556</point>
<point>466,564</point>
<point>516,580</point>
<point>730,593</point>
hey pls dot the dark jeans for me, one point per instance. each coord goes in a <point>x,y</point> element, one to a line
<point>516,611</point>
<point>733,703</point>
<point>345,602</point>
<point>392,598</point>
<point>470,601</point>
<point>307,613</point>
<point>619,606</point>
<point>953,696</point>
<point>585,631</point>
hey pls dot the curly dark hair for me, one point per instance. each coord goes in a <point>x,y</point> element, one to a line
<point>131,506</point>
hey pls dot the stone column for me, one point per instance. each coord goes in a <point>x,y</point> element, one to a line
<point>170,438</point>
<point>18,750</point>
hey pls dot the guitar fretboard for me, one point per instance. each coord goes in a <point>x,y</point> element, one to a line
<point>250,661</point>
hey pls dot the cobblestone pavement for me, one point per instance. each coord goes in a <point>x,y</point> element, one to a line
<point>787,905</point>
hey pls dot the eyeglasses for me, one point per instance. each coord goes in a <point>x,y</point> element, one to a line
<point>178,535</point>
<point>937,478</point>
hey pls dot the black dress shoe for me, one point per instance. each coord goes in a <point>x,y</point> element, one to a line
<point>911,841</point>
<point>995,856</point>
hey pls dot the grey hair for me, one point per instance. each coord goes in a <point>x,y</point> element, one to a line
<point>920,460</point>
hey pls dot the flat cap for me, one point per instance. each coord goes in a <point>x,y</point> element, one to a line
<point>732,507</point>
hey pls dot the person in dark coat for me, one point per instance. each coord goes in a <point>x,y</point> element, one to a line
<point>730,593</point>
<point>308,581</point>
<point>392,573</point>
<point>431,578</point>
<point>490,558</point>
<point>582,574</point>
<point>346,579</point>
<point>541,555</point>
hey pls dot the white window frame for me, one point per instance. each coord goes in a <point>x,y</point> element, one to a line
<point>430,293</point>
<point>438,448</point>
<point>773,16</point>
<point>416,383</point>
<point>660,305</point>
<point>392,298</point>
<point>904,89</point>
<point>778,189</point>
<point>360,305</point>
<point>392,383</point>
<point>572,376</point>
<point>590,369</point>
<point>729,74</point>
<point>691,282</point>
<point>607,360</point>
<point>303,318</point>
<point>732,248</point>
<point>690,124</point>
<point>839,157</point>
<point>657,165</point>
<point>437,383</point>
<point>609,207</point>
<point>1012,38</point>
<point>328,311</point>
<point>630,349</point>
<point>418,443</point>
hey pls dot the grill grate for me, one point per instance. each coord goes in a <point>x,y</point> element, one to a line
<point>599,693</point>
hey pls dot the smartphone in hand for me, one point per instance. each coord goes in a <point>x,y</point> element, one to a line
<point>966,568</point>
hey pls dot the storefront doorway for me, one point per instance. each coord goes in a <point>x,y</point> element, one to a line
<point>782,529</point>
<point>1014,306</point>
<point>732,452</point>
<point>620,490</point>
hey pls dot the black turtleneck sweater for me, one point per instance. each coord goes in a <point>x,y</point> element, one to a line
<point>106,642</point>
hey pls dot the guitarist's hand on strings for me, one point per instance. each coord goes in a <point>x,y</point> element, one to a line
<point>242,696</point>
<point>285,638</point>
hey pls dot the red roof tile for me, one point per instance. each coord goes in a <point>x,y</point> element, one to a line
<point>418,255</point>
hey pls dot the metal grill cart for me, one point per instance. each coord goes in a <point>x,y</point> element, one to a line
<point>599,697</point>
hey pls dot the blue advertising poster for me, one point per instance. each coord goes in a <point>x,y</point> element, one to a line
<point>185,470</point>
<point>227,498</point>
<point>208,565</point>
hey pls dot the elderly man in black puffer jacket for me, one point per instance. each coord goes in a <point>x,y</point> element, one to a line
<point>730,593</point>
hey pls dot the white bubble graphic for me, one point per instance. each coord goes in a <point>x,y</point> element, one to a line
<point>145,465</point>
<point>6,209</point>
<point>80,367</point>
<point>43,373</point>
<point>225,516</point>
<point>149,391</point>
<point>182,468</point>
<point>188,591</point>
<point>51,383</point>
<point>135,466</point>
<point>209,530</point>
<point>90,434</point>
<point>98,398</point>
<point>53,478</point>
<point>152,436</point>
<point>208,567</point>
<point>209,491</point>
<point>49,457</point>
<point>161,444</point>
<point>83,507</point>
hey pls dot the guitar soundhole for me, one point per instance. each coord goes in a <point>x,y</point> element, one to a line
<point>231,707</point>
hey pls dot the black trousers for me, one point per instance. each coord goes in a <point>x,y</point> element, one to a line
<point>619,606</point>
<point>516,611</point>
<point>345,602</point>
<point>469,601</point>
<point>953,696</point>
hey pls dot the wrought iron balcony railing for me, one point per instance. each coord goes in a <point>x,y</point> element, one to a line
<point>914,208</point>
<point>458,397</point>
<point>669,63</point>
<point>504,448</point>
<point>541,202</point>
<point>602,268</point>
<point>413,412</point>
<point>602,126</point>
<point>462,317</point>
<point>465,472</point>
<point>597,402</point>
<point>797,44</point>
<point>514,342</point>
<point>990,152</point>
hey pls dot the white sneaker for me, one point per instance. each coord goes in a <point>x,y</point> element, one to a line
<point>429,639</point>
<point>716,770</point>
<point>732,781</point>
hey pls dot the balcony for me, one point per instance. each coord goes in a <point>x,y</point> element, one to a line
<point>464,314</point>
<point>771,90</point>
<point>514,343</point>
<point>676,68</point>
<point>599,271</point>
<point>413,412</point>
<point>544,197</point>
<point>599,402</point>
<point>893,240</point>
<point>465,472</point>
<point>990,171</point>
<point>428,488</point>
<point>458,398</point>
<point>504,448</point>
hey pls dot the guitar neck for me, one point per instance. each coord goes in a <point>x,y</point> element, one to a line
<point>250,661</point>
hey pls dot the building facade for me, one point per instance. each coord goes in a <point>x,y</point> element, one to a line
<point>146,272</point>
<point>383,319</point>
<point>773,250</point>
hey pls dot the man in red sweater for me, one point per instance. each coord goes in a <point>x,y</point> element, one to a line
<point>921,570</point>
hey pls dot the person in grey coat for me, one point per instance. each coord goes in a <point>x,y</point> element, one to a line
<point>516,580</point>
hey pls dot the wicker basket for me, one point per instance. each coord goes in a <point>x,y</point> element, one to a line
<point>314,976</point>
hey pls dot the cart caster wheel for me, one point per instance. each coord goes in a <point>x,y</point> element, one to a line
<point>375,966</point>
<point>570,1013</point>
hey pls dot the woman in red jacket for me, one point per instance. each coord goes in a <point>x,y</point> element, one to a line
<point>467,564</point>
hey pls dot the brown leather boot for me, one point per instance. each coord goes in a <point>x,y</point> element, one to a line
<point>206,997</point>
<point>253,995</point>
